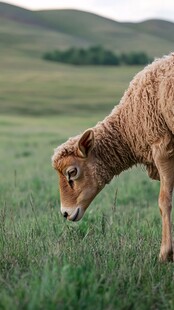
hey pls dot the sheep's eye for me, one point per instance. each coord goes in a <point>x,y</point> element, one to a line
<point>72,173</point>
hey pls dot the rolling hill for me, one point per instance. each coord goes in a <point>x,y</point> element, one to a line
<point>34,32</point>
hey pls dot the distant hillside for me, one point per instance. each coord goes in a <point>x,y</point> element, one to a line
<point>156,27</point>
<point>19,15</point>
<point>114,35</point>
<point>35,32</point>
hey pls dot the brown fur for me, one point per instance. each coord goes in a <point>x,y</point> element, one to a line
<point>138,131</point>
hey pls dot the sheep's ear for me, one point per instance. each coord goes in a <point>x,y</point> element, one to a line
<point>86,142</point>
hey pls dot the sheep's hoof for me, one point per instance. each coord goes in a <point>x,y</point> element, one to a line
<point>165,257</point>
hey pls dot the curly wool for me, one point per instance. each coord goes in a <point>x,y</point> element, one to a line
<point>144,115</point>
<point>66,149</point>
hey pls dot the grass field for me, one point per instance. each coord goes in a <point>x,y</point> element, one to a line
<point>109,260</point>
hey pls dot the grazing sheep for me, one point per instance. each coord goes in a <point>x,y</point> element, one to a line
<point>140,130</point>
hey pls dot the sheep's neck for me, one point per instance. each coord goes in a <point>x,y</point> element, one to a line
<point>112,150</point>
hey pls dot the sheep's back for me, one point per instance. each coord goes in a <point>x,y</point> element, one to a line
<point>146,110</point>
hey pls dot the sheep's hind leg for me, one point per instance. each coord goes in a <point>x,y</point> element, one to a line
<point>166,171</point>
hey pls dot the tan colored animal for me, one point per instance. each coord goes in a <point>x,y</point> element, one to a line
<point>140,130</point>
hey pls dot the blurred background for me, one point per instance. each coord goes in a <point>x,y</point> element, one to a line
<point>64,65</point>
<point>64,69</point>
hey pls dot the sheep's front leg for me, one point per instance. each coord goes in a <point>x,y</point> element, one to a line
<point>166,171</point>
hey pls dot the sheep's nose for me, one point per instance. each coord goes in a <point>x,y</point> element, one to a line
<point>65,214</point>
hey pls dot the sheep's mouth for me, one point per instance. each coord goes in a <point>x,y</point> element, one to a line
<point>75,216</point>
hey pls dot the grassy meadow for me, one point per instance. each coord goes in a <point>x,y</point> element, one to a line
<point>109,260</point>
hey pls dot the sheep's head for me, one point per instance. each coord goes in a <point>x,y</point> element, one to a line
<point>75,164</point>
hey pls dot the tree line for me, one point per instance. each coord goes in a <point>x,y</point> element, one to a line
<point>97,55</point>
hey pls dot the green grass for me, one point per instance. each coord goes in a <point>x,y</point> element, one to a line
<point>109,259</point>
<point>38,88</point>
